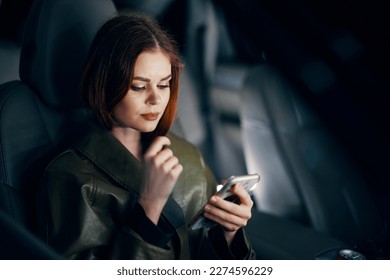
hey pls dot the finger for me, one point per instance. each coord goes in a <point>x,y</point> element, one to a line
<point>162,156</point>
<point>170,163</point>
<point>226,225</point>
<point>227,220</point>
<point>157,145</point>
<point>242,194</point>
<point>219,205</point>
<point>176,170</point>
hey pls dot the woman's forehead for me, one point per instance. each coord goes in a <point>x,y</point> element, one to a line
<point>152,64</point>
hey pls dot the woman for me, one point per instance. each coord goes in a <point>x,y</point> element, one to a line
<point>128,188</point>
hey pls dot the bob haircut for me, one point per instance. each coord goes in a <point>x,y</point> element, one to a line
<point>110,64</point>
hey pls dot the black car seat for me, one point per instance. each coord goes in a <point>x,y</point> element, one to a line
<point>153,8</point>
<point>9,60</point>
<point>306,175</point>
<point>40,112</point>
<point>11,25</point>
<point>211,59</point>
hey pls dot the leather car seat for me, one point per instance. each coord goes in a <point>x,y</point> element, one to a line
<point>211,60</point>
<point>306,176</point>
<point>42,111</point>
<point>10,40</point>
<point>9,57</point>
<point>153,8</point>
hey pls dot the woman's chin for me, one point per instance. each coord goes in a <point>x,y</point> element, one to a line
<point>149,128</point>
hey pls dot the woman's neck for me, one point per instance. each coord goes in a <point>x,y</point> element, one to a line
<point>129,138</point>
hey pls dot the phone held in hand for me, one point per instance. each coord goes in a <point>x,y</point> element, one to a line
<point>248,182</point>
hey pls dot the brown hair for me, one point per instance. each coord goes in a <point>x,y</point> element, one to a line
<point>110,67</point>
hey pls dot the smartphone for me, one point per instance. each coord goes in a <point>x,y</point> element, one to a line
<point>248,182</point>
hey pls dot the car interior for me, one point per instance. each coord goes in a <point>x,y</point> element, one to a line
<point>259,94</point>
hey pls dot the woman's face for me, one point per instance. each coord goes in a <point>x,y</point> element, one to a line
<point>145,102</point>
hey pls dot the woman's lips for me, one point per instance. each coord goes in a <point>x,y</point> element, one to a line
<point>150,116</point>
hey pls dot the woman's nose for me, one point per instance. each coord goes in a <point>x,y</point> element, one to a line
<point>154,96</point>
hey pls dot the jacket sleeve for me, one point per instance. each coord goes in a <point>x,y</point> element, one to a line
<point>211,242</point>
<point>82,217</point>
<point>212,245</point>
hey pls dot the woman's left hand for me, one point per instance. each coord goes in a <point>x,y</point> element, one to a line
<point>230,215</point>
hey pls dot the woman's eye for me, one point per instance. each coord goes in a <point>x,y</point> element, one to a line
<point>137,88</point>
<point>163,86</point>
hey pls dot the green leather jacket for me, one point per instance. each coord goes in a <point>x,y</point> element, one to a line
<point>90,188</point>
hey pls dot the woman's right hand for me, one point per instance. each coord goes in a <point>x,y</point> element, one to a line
<point>161,171</point>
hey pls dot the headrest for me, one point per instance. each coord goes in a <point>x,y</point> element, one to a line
<point>56,41</point>
<point>153,8</point>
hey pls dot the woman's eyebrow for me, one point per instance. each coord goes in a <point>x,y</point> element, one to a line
<point>166,78</point>
<point>142,79</point>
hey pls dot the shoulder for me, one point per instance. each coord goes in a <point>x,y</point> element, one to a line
<point>182,147</point>
<point>68,177</point>
<point>70,157</point>
<point>67,165</point>
<point>189,155</point>
<point>179,141</point>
